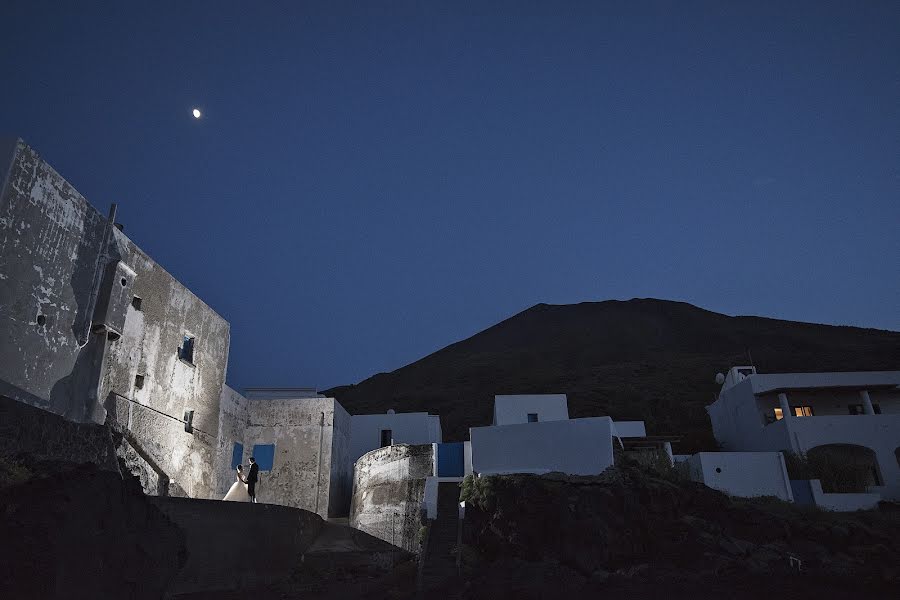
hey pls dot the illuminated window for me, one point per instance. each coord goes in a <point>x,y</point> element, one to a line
<point>779,415</point>
<point>803,411</point>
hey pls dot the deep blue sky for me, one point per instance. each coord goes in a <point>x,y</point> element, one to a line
<point>373,182</point>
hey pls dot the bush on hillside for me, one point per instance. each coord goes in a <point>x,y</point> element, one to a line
<point>838,474</point>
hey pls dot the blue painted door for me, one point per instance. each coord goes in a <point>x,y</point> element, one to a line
<point>802,492</point>
<point>451,459</point>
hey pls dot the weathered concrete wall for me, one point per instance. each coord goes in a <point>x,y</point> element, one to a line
<point>50,242</point>
<point>311,439</point>
<point>233,417</point>
<point>149,347</point>
<point>388,493</point>
<point>65,271</point>
<point>341,484</point>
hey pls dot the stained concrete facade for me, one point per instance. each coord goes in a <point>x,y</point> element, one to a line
<point>92,325</point>
<point>311,438</point>
<point>389,491</point>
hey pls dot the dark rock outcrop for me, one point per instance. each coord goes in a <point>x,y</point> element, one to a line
<point>76,531</point>
<point>631,530</point>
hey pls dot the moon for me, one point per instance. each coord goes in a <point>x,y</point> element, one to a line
<point>196,112</point>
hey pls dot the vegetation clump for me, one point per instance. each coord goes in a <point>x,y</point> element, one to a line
<point>479,491</point>
<point>838,474</point>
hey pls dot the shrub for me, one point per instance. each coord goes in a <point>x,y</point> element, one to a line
<point>479,491</point>
<point>13,472</point>
<point>838,474</point>
<point>658,463</point>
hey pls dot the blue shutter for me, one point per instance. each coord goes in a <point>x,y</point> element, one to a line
<point>264,454</point>
<point>237,455</point>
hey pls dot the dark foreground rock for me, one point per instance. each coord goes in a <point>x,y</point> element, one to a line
<point>632,532</point>
<point>75,531</point>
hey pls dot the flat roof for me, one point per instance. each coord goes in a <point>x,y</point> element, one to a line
<point>280,393</point>
<point>766,383</point>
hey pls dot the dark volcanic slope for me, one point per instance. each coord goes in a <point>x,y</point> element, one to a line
<point>649,359</point>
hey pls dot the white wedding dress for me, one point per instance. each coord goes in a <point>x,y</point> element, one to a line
<point>238,492</point>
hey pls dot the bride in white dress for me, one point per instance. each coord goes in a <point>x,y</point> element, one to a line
<point>238,491</point>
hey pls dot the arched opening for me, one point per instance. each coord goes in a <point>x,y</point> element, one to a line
<point>844,468</point>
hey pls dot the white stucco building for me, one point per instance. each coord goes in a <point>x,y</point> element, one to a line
<point>855,415</point>
<point>532,433</point>
<point>368,432</point>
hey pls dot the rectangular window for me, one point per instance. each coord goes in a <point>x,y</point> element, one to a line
<point>803,411</point>
<point>532,417</point>
<point>136,302</point>
<point>264,455</point>
<point>779,414</point>
<point>186,352</point>
<point>237,455</point>
<point>387,437</point>
<point>138,381</point>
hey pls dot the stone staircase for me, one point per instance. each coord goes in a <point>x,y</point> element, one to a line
<point>440,555</point>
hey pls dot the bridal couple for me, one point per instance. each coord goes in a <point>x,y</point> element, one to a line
<point>244,489</point>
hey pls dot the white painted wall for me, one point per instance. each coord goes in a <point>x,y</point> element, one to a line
<point>514,409</point>
<point>576,446</point>
<point>743,474</point>
<point>880,433</point>
<point>739,426</point>
<point>629,429</point>
<point>406,428</point>
<point>467,457</point>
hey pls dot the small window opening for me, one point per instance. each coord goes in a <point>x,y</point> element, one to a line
<point>532,417</point>
<point>137,302</point>
<point>387,437</point>
<point>803,411</point>
<point>41,320</point>
<point>718,469</point>
<point>123,281</point>
<point>139,381</point>
<point>186,352</point>
<point>779,414</point>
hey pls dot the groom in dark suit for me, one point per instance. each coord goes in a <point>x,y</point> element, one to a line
<point>252,478</point>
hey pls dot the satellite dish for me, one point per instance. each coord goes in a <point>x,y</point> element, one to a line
<point>390,411</point>
<point>720,378</point>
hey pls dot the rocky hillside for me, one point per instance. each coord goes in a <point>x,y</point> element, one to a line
<point>647,359</point>
<point>633,533</point>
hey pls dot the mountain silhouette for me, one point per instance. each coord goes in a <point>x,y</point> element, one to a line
<point>648,359</point>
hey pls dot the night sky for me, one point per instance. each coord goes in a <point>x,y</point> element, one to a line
<point>373,181</point>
